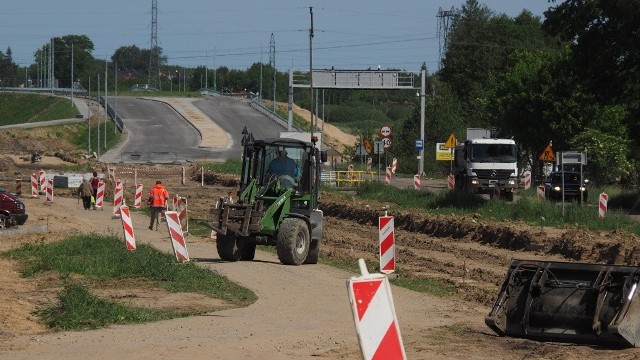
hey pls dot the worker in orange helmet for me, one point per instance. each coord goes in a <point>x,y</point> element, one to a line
<point>158,197</point>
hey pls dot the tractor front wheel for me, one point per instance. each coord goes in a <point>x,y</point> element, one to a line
<point>293,241</point>
<point>230,247</point>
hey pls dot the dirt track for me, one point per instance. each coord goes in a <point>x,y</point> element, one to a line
<point>303,311</point>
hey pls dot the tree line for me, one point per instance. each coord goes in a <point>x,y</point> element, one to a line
<point>569,79</point>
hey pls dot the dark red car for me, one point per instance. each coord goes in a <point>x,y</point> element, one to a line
<point>12,210</point>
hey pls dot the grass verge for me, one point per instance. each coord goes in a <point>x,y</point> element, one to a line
<point>98,258</point>
<point>20,108</point>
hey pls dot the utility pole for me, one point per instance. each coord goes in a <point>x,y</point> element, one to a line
<point>313,124</point>
<point>71,74</point>
<point>272,62</point>
<point>106,102</point>
<point>423,76</point>
<point>98,125</point>
<point>89,113</point>
<point>115,104</point>
<point>206,70</point>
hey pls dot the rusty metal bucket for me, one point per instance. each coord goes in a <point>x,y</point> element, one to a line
<point>569,302</point>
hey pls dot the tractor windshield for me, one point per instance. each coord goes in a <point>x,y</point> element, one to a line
<point>287,163</point>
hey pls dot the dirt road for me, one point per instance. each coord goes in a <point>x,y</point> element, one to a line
<point>302,312</point>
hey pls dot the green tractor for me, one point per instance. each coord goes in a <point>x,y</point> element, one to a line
<point>277,203</point>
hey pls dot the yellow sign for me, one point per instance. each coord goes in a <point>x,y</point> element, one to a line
<point>368,146</point>
<point>547,154</point>
<point>451,141</point>
<point>443,153</point>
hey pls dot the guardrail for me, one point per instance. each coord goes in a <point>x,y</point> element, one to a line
<point>346,178</point>
<point>270,114</point>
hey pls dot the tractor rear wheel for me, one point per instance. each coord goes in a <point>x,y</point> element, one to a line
<point>293,241</point>
<point>230,247</point>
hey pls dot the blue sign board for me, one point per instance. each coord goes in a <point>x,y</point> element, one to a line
<point>419,145</point>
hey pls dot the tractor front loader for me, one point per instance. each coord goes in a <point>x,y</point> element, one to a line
<point>273,208</point>
<point>569,302</point>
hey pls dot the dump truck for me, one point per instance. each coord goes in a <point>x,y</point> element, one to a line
<point>273,209</point>
<point>486,166</point>
<point>569,302</point>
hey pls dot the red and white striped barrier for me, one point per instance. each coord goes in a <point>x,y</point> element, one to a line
<point>100,195</point>
<point>375,316</point>
<point>43,182</point>
<point>386,239</point>
<point>387,178</point>
<point>34,185</point>
<point>540,192</point>
<point>394,165</point>
<point>177,238</point>
<point>137,201</point>
<point>527,180</point>
<point>416,182</point>
<point>602,205</point>
<point>18,187</point>
<point>112,173</point>
<point>451,181</point>
<point>129,237</point>
<point>369,163</point>
<point>49,191</point>
<point>117,198</point>
<point>180,206</point>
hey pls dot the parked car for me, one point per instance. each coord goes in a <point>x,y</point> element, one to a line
<point>574,188</point>
<point>12,210</point>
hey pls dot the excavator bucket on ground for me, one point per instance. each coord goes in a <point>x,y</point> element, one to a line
<point>569,302</point>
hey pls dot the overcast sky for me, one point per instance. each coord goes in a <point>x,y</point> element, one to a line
<point>349,34</point>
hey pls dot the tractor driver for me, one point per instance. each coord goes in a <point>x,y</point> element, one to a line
<point>284,165</point>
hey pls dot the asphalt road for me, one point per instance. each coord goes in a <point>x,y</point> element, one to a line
<point>157,133</point>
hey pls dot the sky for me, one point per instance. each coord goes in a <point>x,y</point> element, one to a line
<point>348,34</point>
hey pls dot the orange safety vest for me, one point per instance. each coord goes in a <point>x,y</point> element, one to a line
<point>158,195</point>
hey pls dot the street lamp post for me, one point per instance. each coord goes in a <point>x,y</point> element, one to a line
<point>422,105</point>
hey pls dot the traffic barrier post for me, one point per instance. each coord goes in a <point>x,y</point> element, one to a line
<point>177,238</point>
<point>117,199</point>
<point>374,316</point>
<point>49,191</point>
<point>540,192</point>
<point>34,185</point>
<point>129,237</point>
<point>137,201</point>
<point>451,181</point>
<point>394,165</point>
<point>527,180</point>
<point>387,178</point>
<point>43,183</point>
<point>602,205</point>
<point>416,182</point>
<point>100,195</point>
<point>387,247</point>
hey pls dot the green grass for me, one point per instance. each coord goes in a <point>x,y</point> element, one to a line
<point>528,209</point>
<point>99,258</point>
<point>230,166</point>
<point>20,108</point>
<point>80,138</point>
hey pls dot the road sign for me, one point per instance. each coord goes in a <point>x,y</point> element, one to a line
<point>451,141</point>
<point>385,131</point>
<point>361,150</point>
<point>386,142</point>
<point>368,146</point>
<point>571,157</point>
<point>419,144</point>
<point>547,154</point>
<point>378,148</point>
<point>443,153</point>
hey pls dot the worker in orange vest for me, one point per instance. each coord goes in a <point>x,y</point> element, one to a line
<point>158,197</point>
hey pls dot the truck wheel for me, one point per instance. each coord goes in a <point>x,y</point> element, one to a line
<point>314,252</point>
<point>293,241</point>
<point>230,247</point>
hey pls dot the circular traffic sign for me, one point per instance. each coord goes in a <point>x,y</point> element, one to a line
<point>386,142</point>
<point>385,131</point>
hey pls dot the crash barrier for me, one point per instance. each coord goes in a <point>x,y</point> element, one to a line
<point>177,239</point>
<point>394,165</point>
<point>602,205</point>
<point>43,185</point>
<point>100,195</point>
<point>112,173</point>
<point>137,200</point>
<point>49,191</point>
<point>387,178</point>
<point>180,206</point>
<point>527,180</point>
<point>386,240</point>
<point>152,156</point>
<point>451,182</point>
<point>540,192</point>
<point>34,185</point>
<point>18,187</point>
<point>374,316</point>
<point>117,198</point>
<point>416,182</point>
<point>569,302</point>
<point>346,178</point>
<point>129,237</point>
